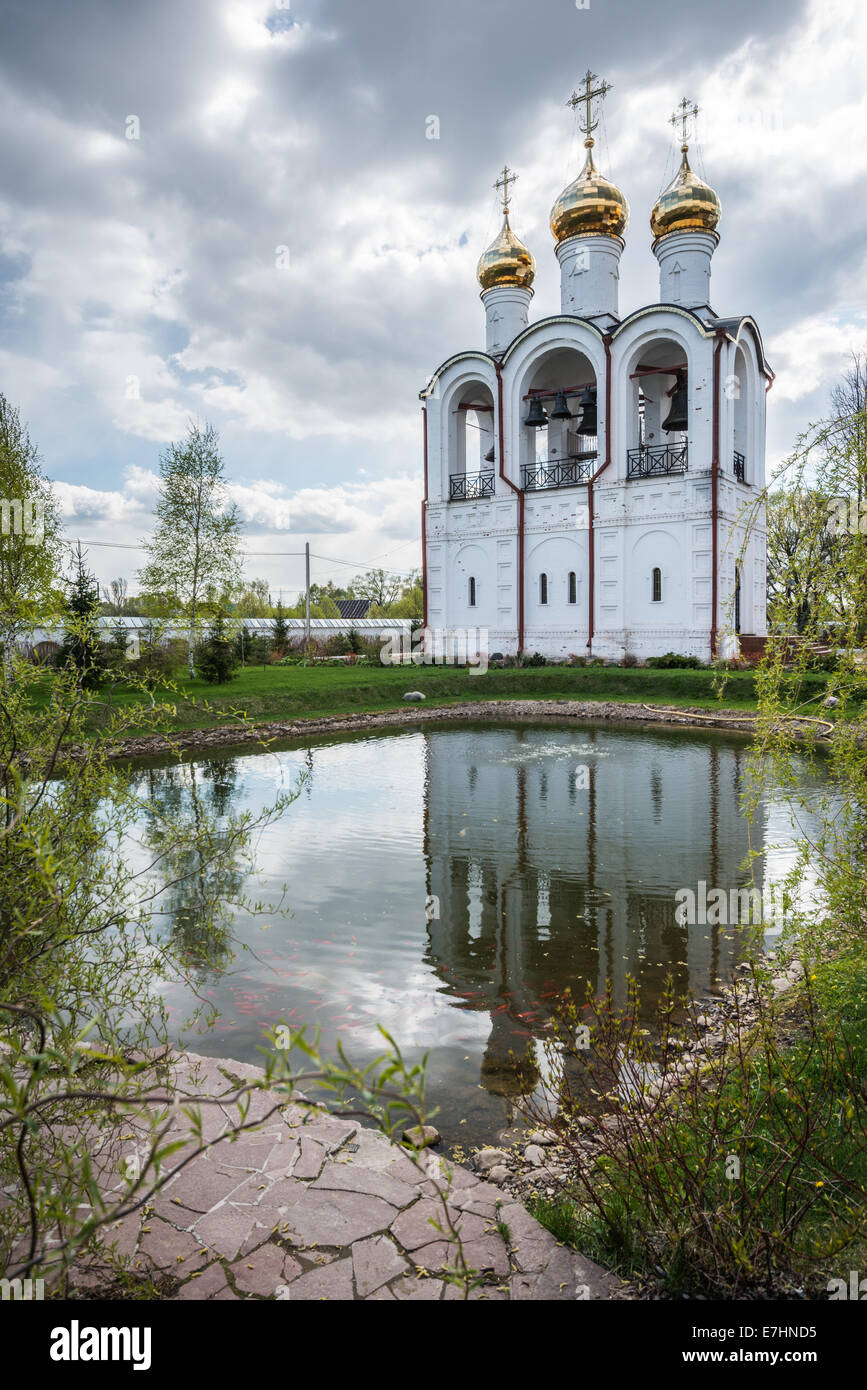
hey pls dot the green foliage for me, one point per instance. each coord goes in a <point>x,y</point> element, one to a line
<point>217,657</point>
<point>279,631</point>
<point>30,537</point>
<point>746,1173</point>
<point>194,553</point>
<point>82,649</point>
<point>85,954</point>
<point>669,661</point>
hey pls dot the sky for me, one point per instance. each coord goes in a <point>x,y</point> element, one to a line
<point>231,210</point>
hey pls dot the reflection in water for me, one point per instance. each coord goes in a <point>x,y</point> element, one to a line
<point>450,884</point>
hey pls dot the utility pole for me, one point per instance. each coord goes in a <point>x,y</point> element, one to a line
<point>307,601</point>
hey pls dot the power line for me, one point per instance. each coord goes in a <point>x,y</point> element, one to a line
<point>273,554</point>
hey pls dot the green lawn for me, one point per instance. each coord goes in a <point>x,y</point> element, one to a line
<point>297,692</point>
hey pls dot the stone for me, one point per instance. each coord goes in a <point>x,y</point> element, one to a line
<point>780,983</point>
<point>350,1177</point>
<point>337,1218</point>
<point>543,1136</point>
<point>414,696</point>
<point>311,1156</point>
<point>375,1262</point>
<point>535,1155</point>
<point>203,1286</point>
<point>830,702</point>
<point>225,1229</point>
<point>499,1174</point>
<point>175,1252</point>
<point>421,1136</point>
<point>201,1185</point>
<point>333,1283</point>
<point>486,1159</point>
<point>265,1271</point>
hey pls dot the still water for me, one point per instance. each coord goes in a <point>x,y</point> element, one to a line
<point>450,882</point>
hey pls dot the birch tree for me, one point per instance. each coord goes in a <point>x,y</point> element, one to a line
<point>30,542</point>
<point>196,545</point>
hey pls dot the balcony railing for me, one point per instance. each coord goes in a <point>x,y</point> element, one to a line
<point>656,461</point>
<point>740,464</point>
<point>467,487</point>
<point>565,472</point>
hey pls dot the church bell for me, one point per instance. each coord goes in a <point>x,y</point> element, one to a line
<point>535,415</point>
<point>677,417</point>
<point>587,403</point>
<point>489,456</point>
<point>561,409</point>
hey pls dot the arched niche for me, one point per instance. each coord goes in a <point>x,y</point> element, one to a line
<point>655,369</point>
<point>564,450</point>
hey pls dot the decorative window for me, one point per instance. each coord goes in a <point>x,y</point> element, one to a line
<point>656,586</point>
<point>543,588</point>
<point>471,592</point>
<point>573,587</point>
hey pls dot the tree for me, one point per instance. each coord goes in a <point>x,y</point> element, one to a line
<point>254,600</point>
<point>115,599</point>
<point>30,539</point>
<point>82,648</point>
<point>378,585</point>
<point>279,631</point>
<point>196,544</point>
<point>217,656</point>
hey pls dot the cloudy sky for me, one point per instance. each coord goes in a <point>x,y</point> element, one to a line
<point>284,252</point>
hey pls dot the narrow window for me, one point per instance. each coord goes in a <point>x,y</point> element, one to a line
<point>657,586</point>
<point>472,592</point>
<point>737,598</point>
<point>543,588</point>
<point>573,587</point>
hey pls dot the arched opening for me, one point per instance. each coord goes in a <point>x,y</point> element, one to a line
<point>573,587</point>
<point>659,413</point>
<point>472,460</point>
<point>656,586</point>
<point>471,591</point>
<point>738,386</point>
<point>543,588</point>
<point>559,426</point>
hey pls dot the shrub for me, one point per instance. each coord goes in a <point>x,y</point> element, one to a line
<point>670,660</point>
<point>217,658</point>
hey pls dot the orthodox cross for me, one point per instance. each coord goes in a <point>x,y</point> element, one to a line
<point>587,98</point>
<point>503,182</point>
<point>686,112</point>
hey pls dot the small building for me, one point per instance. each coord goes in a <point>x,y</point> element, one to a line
<point>593,480</point>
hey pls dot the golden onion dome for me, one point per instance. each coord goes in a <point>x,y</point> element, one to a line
<point>506,261</point>
<point>590,206</point>
<point>687,205</point>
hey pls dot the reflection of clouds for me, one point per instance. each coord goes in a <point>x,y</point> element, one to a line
<point>536,753</point>
<point>416,1017</point>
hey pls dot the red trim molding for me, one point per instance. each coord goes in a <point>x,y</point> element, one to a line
<point>714,491</point>
<point>591,535</point>
<point>502,452</point>
<point>424,521</point>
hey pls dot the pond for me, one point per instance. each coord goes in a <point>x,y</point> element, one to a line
<point>450,881</point>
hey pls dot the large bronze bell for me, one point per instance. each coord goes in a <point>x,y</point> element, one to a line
<point>678,417</point>
<point>489,456</point>
<point>561,409</point>
<point>587,403</point>
<point>536,416</point>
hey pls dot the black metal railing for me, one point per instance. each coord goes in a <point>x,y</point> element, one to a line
<point>740,467</point>
<point>656,461</point>
<point>467,487</point>
<point>565,472</point>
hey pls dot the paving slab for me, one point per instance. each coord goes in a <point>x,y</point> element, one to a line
<point>312,1207</point>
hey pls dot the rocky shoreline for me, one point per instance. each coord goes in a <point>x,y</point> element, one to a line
<point>604,711</point>
<point>539,1164</point>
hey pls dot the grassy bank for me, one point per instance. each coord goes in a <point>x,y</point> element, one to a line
<point>297,692</point>
<point>788,1104</point>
